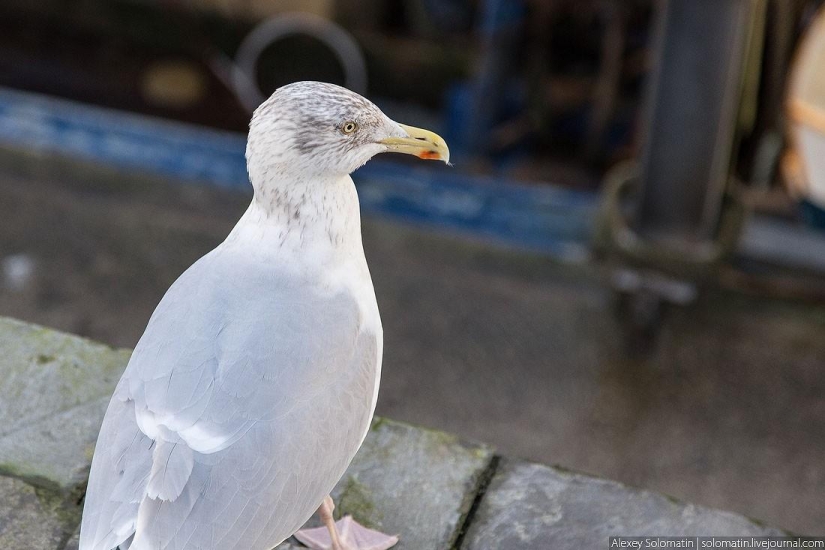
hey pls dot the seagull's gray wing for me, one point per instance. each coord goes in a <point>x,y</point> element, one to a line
<point>218,434</point>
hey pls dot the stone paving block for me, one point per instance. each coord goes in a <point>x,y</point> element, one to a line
<point>417,483</point>
<point>529,506</point>
<point>31,519</point>
<point>74,542</point>
<point>54,389</point>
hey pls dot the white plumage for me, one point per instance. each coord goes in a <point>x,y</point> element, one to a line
<point>256,379</point>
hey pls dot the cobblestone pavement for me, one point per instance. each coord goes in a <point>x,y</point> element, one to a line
<point>434,490</point>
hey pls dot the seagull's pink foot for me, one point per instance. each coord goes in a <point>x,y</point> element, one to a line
<point>344,534</point>
<point>352,536</point>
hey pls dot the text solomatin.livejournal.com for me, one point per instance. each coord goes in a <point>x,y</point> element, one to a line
<point>640,543</point>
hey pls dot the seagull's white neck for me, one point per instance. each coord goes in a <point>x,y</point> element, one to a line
<point>314,223</point>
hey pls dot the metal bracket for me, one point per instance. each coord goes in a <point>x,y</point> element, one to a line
<point>681,259</point>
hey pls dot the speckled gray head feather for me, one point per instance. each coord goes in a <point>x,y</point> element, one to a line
<point>303,129</point>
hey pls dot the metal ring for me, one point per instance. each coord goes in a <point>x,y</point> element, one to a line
<point>614,233</point>
<point>338,40</point>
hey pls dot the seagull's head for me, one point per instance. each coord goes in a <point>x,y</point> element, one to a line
<point>317,129</point>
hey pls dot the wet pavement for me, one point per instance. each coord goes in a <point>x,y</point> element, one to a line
<point>435,491</point>
<point>725,408</point>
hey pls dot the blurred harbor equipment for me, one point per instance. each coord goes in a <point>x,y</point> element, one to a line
<point>539,77</point>
<point>501,22</point>
<point>242,74</point>
<point>549,90</point>
<point>702,91</point>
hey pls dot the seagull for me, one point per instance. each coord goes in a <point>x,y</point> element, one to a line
<point>256,379</point>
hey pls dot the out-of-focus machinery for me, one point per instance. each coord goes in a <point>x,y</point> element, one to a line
<point>671,218</point>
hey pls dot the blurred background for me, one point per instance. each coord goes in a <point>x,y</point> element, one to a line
<point>623,273</point>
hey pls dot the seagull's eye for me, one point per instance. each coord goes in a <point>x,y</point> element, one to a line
<point>349,127</point>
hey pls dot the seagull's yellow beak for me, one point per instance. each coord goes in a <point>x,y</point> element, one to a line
<point>421,143</point>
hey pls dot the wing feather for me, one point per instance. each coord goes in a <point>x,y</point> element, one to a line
<point>172,465</point>
<point>226,429</point>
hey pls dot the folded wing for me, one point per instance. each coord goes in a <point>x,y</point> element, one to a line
<point>221,427</point>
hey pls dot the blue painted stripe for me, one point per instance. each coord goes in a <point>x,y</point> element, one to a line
<point>122,140</point>
<point>538,217</point>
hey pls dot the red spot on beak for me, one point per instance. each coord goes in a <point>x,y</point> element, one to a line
<point>429,155</point>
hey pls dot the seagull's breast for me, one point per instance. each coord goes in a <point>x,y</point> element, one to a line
<point>354,278</point>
